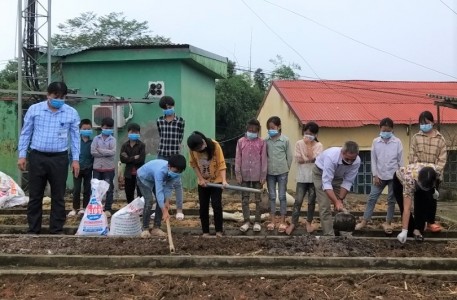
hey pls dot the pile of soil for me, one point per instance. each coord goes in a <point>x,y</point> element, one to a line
<point>191,245</point>
<point>307,287</point>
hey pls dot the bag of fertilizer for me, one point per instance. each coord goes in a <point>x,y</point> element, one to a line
<point>127,221</point>
<point>11,193</point>
<point>94,221</point>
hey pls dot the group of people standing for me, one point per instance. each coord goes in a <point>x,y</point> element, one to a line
<point>324,175</point>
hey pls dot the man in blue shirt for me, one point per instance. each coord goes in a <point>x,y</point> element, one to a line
<point>333,174</point>
<point>47,127</point>
<point>161,175</point>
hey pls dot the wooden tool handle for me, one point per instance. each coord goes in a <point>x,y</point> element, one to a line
<point>170,239</point>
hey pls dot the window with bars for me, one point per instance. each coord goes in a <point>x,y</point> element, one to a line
<point>450,170</point>
<point>363,180</point>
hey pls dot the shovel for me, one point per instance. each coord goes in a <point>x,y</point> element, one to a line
<point>344,221</point>
<point>264,198</point>
<point>170,239</point>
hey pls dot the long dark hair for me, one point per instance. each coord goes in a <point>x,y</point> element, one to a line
<point>195,141</point>
<point>312,127</point>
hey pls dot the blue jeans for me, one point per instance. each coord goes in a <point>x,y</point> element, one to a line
<point>108,177</point>
<point>376,191</point>
<point>281,179</point>
<point>301,190</point>
<point>177,187</point>
<point>149,198</point>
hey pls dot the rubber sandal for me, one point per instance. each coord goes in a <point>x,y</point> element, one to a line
<point>257,227</point>
<point>387,228</point>
<point>309,227</point>
<point>282,228</point>
<point>245,227</point>
<point>418,238</point>
<point>434,227</point>
<point>271,226</point>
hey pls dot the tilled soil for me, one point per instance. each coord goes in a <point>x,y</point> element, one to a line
<point>191,245</point>
<point>390,287</point>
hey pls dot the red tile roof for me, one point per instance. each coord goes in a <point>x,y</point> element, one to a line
<point>355,103</point>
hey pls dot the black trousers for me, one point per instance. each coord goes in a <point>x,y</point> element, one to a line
<point>130,186</point>
<point>205,195</point>
<point>416,221</point>
<point>44,167</point>
<point>83,178</point>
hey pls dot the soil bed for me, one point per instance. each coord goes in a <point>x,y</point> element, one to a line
<point>190,245</point>
<point>390,287</point>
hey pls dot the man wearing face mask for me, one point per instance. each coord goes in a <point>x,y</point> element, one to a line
<point>103,149</point>
<point>429,146</point>
<point>333,174</point>
<point>47,126</point>
<point>133,154</point>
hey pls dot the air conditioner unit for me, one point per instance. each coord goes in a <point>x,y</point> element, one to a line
<point>99,112</point>
<point>156,89</point>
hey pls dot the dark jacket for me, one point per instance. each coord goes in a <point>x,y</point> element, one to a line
<point>130,163</point>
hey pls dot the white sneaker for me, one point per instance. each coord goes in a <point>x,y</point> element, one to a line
<point>180,216</point>
<point>257,227</point>
<point>361,225</point>
<point>72,213</point>
<point>81,211</point>
<point>107,213</point>
<point>158,232</point>
<point>145,234</point>
<point>245,227</point>
<point>153,215</point>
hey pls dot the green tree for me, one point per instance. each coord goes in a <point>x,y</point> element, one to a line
<point>237,101</point>
<point>8,76</point>
<point>114,29</point>
<point>284,71</point>
<point>260,80</point>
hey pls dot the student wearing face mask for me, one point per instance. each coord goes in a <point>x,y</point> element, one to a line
<point>251,170</point>
<point>429,146</point>
<point>159,175</point>
<point>333,174</point>
<point>407,182</point>
<point>207,160</point>
<point>279,160</point>
<point>47,127</point>
<point>386,159</point>
<point>103,149</point>
<point>86,160</point>
<point>133,154</point>
<point>306,151</point>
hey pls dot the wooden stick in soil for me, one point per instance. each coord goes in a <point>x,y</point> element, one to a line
<point>170,239</point>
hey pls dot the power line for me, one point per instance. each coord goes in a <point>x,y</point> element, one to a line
<point>360,42</point>
<point>448,7</point>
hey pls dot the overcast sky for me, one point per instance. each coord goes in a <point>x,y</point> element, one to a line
<point>420,31</point>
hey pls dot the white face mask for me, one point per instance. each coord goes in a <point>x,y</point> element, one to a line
<point>309,137</point>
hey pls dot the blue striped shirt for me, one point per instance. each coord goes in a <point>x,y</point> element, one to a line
<point>48,131</point>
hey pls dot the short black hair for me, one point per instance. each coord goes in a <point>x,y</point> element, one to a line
<point>109,122</point>
<point>166,101</point>
<point>427,177</point>
<point>134,127</point>
<point>85,122</point>
<point>254,122</point>
<point>177,161</point>
<point>275,120</point>
<point>58,88</point>
<point>386,122</point>
<point>425,115</point>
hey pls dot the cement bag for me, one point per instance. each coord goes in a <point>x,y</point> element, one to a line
<point>94,221</point>
<point>126,221</point>
<point>11,193</point>
<point>289,199</point>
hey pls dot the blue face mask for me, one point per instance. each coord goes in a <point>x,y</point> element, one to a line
<point>86,132</point>
<point>169,112</point>
<point>107,131</point>
<point>173,175</point>
<point>309,137</point>
<point>56,103</point>
<point>386,134</point>
<point>272,132</point>
<point>251,135</point>
<point>134,136</point>
<point>426,127</point>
